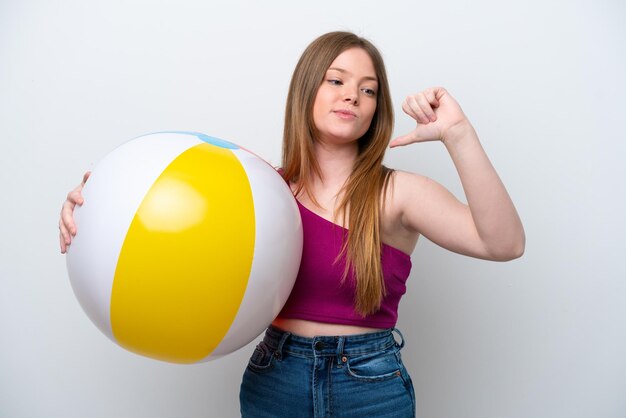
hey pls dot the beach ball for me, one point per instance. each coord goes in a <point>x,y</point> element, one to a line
<point>187,246</point>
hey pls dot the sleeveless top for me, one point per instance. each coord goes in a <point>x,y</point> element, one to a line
<point>319,293</point>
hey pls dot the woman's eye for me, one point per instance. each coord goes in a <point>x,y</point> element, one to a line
<point>335,82</point>
<point>369,92</point>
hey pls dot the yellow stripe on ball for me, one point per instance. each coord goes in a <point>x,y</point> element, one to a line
<point>183,269</point>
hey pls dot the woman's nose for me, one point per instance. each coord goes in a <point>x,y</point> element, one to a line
<point>351,97</point>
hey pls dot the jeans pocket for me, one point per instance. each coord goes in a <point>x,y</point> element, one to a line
<point>262,359</point>
<point>374,367</point>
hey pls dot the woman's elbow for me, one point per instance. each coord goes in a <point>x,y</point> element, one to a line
<point>516,252</point>
<point>509,251</point>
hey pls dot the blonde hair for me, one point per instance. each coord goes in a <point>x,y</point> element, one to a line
<point>366,186</point>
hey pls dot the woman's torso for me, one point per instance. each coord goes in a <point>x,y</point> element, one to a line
<point>392,234</point>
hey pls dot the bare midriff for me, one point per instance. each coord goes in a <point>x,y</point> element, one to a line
<point>311,329</point>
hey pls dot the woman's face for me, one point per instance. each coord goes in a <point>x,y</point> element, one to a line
<point>346,100</point>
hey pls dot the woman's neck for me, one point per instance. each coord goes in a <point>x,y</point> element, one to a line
<point>335,163</point>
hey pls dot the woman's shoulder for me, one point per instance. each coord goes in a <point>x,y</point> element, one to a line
<point>405,182</point>
<point>402,185</point>
<point>408,190</point>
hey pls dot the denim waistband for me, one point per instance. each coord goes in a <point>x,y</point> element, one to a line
<point>281,341</point>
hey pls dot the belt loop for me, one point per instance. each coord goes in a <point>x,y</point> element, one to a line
<point>401,337</point>
<point>283,338</point>
<point>340,350</point>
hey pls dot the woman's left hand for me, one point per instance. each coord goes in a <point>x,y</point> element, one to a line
<point>435,111</point>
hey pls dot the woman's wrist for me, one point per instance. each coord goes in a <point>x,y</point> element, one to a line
<point>458,133</point>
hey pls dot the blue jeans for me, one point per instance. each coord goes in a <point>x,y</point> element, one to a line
<point>346,376</point>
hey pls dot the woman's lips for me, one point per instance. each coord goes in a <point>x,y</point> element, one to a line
<point>345,114</point>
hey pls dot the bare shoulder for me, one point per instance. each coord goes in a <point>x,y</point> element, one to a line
<point>405,187</point>
<point>395,230</point>
<point>418,201</point>
<point>404,181</point>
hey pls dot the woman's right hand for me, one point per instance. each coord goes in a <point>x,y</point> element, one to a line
<point>67,227</point>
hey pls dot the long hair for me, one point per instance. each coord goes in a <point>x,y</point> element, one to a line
<point>366,186</point>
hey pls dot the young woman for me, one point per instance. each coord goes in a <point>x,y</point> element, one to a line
<point>331,351</point>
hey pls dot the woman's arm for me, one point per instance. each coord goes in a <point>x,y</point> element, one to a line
<point>488,226</point>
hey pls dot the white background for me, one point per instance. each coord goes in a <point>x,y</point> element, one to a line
<point>543,82</point>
